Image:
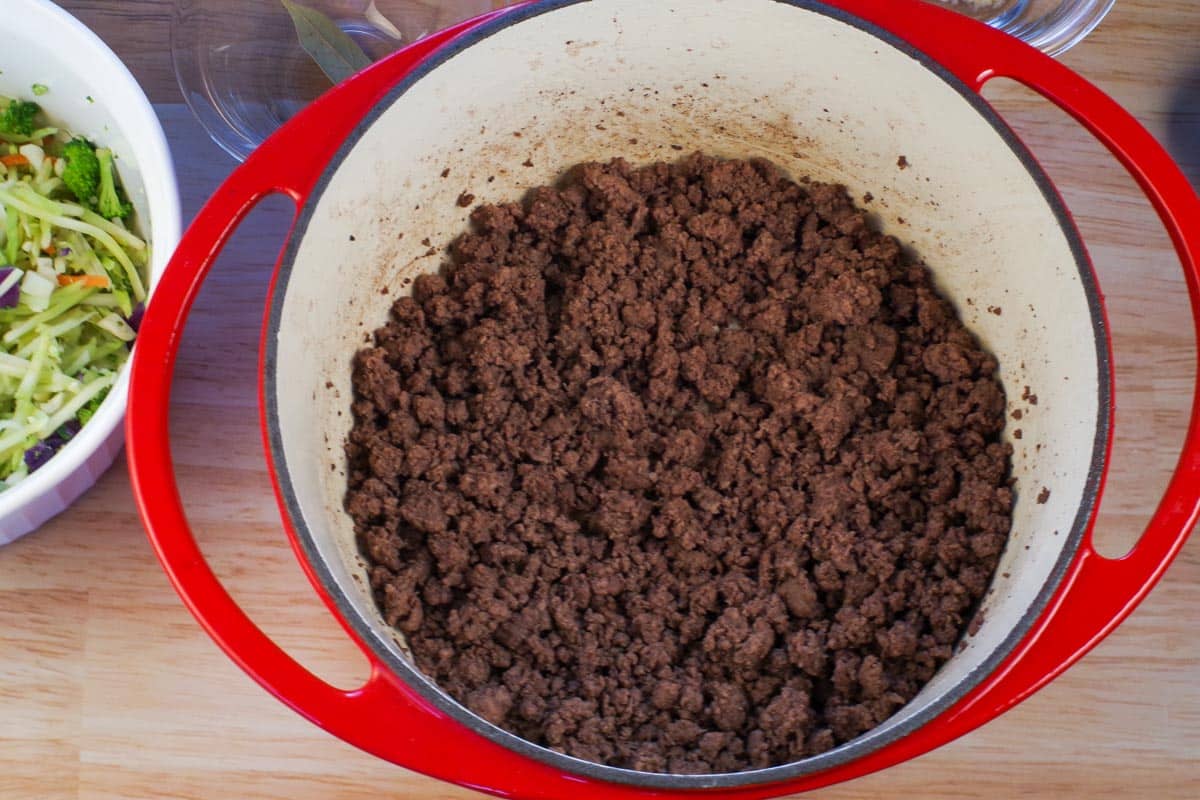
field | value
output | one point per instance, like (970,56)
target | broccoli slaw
(71,285)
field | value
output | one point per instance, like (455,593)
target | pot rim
(338,596)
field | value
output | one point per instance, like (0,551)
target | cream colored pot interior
(813,93)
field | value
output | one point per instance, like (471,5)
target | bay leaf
(330,47)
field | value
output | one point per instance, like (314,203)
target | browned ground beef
(680,468)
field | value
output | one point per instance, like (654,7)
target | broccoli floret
(91,176)
(18,117)
(91,407)
(110,204)
(82,173)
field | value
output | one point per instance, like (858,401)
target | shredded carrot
(50,251)
(99,281)
(14,160)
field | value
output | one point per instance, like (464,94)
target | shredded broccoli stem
(13,367)
(36,136)
(36,365)
(56,213)
(68,411)
(70,320)
(64,299)
(101,301)
(114,230)
(12,234)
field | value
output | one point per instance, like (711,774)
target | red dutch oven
(837,91)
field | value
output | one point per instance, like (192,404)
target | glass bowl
(243,73)
(1053,26)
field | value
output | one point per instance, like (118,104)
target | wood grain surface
(109,689)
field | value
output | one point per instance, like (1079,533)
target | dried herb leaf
(382,23)
(335,52)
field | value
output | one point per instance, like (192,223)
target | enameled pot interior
(818,93)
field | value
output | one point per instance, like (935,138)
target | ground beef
(682,468)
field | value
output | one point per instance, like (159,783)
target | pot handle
(384,716)
(1097,593)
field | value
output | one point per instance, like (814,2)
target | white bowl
(91,93)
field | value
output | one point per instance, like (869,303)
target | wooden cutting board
(109,689)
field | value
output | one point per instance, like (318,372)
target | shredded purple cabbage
(67,431)
(135,319)
(11,297)
(40,453)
